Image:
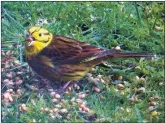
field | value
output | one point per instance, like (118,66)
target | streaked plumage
(59,58)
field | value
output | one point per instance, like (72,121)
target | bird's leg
(44,82)
(66,85)
(63,89)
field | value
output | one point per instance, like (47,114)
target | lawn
(130,90)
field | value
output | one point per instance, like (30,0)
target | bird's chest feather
(66,72)
(42,65)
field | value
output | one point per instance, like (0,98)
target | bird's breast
(56,72)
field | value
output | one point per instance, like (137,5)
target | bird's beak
(30,39)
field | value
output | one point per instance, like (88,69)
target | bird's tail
(117,53)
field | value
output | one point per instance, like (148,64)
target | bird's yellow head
(36,35)
(37,38)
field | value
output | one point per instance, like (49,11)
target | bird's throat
(35,48)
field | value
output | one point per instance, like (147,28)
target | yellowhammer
(59,58)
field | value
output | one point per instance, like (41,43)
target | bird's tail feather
(110,54)
(116,53)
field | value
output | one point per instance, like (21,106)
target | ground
(130,91)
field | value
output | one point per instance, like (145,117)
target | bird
(62,59)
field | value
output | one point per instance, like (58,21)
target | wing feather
(64,50)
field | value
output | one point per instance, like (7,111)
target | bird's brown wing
(63,50)
(66,59)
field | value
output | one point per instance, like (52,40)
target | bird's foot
(61,90)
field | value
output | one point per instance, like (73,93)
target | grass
(134,26)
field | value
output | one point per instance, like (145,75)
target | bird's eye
(40,34)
